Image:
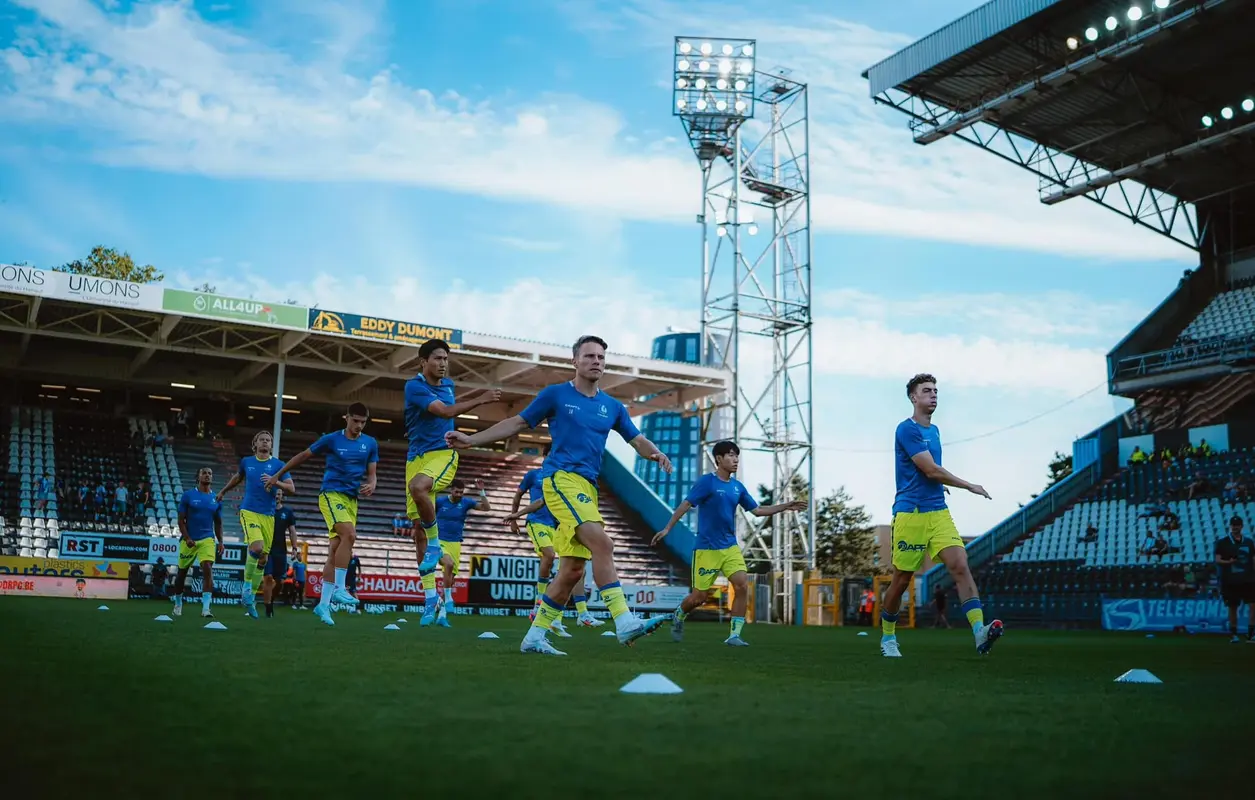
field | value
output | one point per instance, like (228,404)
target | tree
(1060,467)
(845,540)
(106,262)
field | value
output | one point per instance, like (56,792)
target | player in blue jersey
(257,512)
(716,496)
(580,416)
(431,465)
(285,541)
(922,522)
(451,514)
(200,526)
(351,460)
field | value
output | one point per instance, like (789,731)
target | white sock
(178,600)
(205,599)
(324,599)
(340,575)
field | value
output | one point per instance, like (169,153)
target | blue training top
(200,510)
(346,461)
(915,490)
(578,427)
(426,430)
(451,516)
(257,498)
(716,502)
(535,488)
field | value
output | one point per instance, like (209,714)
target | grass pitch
(114,699)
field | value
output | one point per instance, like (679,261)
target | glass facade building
(677,435)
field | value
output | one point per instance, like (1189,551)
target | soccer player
(580,416)
(431,465)
(277,562)
(351,458)
(1235,554)
(257,512)
(922,522)
(716,496)
(200,524)
(451,514)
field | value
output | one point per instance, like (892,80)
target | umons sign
(105,292)
(26,280)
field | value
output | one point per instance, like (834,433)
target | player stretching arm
(580,416)
(200,523)
(716,495)
(351,458)
(257,512)
(922,522)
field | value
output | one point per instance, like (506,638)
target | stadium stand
(98,456)
(33,506)
(165,484)
(1229,315)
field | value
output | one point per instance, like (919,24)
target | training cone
(489,635)
(102,608)
(1138,676)
(651,683)
(608,633)
(163,618)
(215,626)
(403,619)
(392,627)
(862,633)
(1150,636)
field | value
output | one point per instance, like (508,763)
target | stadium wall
(636,495)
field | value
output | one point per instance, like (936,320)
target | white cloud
(163,89)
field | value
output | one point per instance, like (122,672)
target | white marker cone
(1138,676)
(102,608)
(215,626)
(489,635)
(651,683)
(163,618)
(392,627)
(862,633)
(403,619)
(609,633)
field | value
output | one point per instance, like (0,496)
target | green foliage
(106,262)
(845,540)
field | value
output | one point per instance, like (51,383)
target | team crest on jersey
(602,411)
(583,498)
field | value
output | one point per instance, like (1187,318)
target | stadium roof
(151,349)
(1127,106)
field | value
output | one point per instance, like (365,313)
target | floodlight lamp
(681,103)
(721,231)
(1208,121)
(745,67)
(1162,4)
(706,48)
(681,84)
(1226,112)
(684,65)
(703,65)
(753,230)
(727,49)
(1091,34)
(1111,23)
(741,105)
(701,105)
(701,83)
(1073,42)
(721,84)
(725,66)
(740,85)
(685,47)
(1248,105)
(747,50)
(1135,13)
(721,105)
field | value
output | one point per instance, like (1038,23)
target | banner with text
(136,549)
(12,565)
(1195,614)
(390,588)
(217,306)
(57,586)
(511,581)
(341,323)
(79,288)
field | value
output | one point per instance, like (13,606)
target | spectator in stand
(1186,455)
(1198,485)
(99,500)
(1166,458)
(400,524)
(42,491)
(298,579)
(161,574)
(1137,458)
(84,495)
(1204,449)
(1154,510)
(1230,494)
(143,499)
(1157,545)
(1090,536)
(119,500)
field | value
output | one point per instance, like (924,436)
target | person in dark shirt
(277,559)
(350,580)
(1235,554)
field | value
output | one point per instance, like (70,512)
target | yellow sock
(541,586)
(581,604)
(250,574)
(547,614)
(612,596)
(975,614)
(429,582)
(888,623)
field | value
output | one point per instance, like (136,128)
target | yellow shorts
(200,552)
(918,532)
(439,465)
(257,528)
(573,501)
(454,551)
(541,536)
(707,564)
(337,508)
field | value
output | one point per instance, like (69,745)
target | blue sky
(514,168)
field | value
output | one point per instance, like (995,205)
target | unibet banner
(217,306)
(341,323)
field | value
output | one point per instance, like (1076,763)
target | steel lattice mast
(756,285)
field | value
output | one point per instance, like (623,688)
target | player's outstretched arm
(683,508)
(294,462)
(650,452)
(936,472)
(235,481)
(288,485)
(520,513)
(481,397)
(502,430)
(482,503)
(778,508)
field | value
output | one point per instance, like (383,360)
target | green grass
(115,699)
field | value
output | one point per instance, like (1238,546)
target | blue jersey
(347,460)
(425,430)
(257,498)
(916,491)
(200,510)
(535,488)
(451,517)
(284,519)
(716,501)
(578,426)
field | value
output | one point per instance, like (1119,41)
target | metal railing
(1217,350)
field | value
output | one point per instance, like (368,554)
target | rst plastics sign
(1138,614)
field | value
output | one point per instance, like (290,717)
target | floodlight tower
(756,277)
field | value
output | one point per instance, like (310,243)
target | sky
(515,169)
